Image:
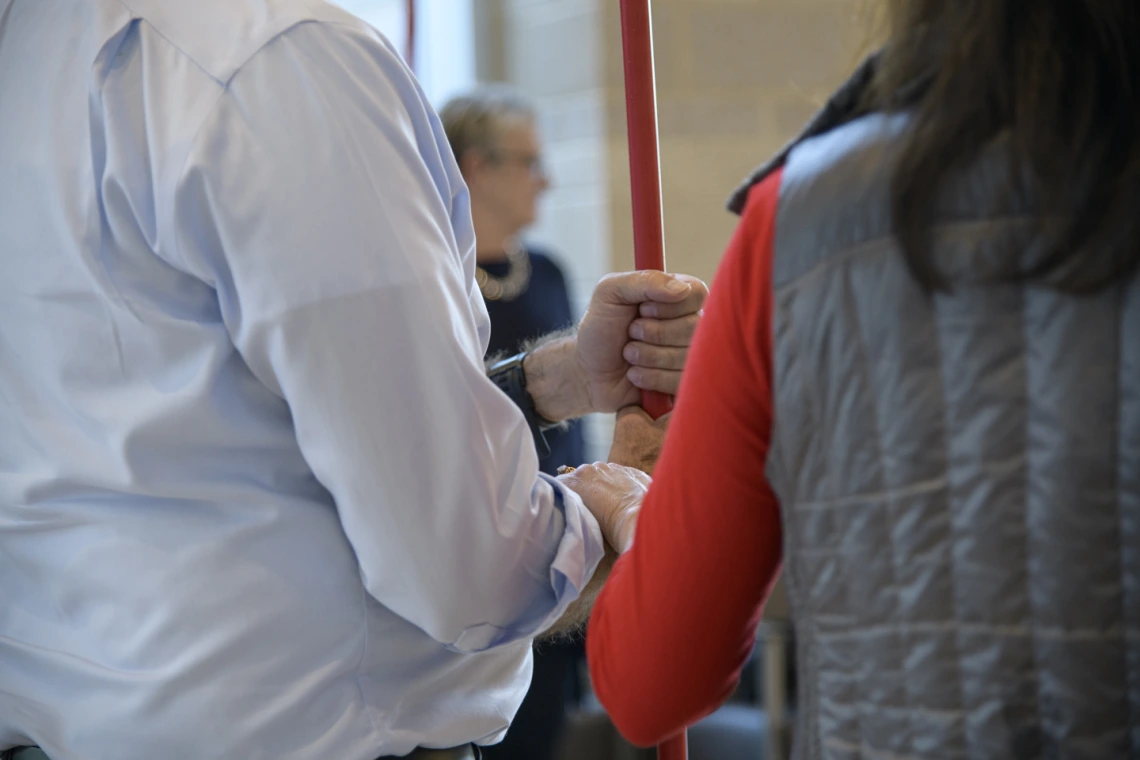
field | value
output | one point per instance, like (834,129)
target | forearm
(674,625)
(578,613)
(553,379)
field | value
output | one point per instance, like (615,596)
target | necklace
(511,285)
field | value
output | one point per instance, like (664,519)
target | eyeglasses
(529,161)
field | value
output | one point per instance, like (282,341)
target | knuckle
(654,331)
(650,356)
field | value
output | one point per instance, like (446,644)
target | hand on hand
(613,493)
(636,334)
(638,439)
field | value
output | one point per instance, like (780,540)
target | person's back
(121,393)
(173,577)
(959,477)
(956,446)
(936,294)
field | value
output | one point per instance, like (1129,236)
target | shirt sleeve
(321,201)
(677,619)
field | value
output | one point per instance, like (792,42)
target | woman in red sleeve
(917,387)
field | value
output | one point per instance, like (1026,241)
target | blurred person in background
(917,386)
(494,136)
(493,133)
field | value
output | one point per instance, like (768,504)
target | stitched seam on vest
(925,486)
(863,751)
(1116,632)
(1132,638)
(809,738)
(1117,499)
(1027,447)
(1131,307)
(885,243)
(951,566)
(886,514)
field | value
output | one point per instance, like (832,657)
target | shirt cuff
(576,558)
(572,567)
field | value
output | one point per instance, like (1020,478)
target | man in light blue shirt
(258,498)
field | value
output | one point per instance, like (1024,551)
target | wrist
(510,376)
(555,381)
(623,527)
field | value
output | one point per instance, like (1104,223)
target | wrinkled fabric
(257,497)
(959,476)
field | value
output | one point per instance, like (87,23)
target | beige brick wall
(553,51)
(735,80)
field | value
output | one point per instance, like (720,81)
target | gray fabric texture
(959,476)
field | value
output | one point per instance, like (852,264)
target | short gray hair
(472,121)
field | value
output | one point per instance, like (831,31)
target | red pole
(645,184)
(410,41)
(644,162)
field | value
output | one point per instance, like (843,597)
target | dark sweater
(544,307)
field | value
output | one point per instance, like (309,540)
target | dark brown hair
(1058,82)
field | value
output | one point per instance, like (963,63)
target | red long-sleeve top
(677,619)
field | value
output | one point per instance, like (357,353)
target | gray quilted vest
(959,476)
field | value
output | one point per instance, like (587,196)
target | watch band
(508,374)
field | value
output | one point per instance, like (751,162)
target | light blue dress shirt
(257,497)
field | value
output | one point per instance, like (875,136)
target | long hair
(1057,83)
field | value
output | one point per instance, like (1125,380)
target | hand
(638,439)
(613,494)
(635,335)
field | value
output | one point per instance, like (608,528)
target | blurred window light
(444,45)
